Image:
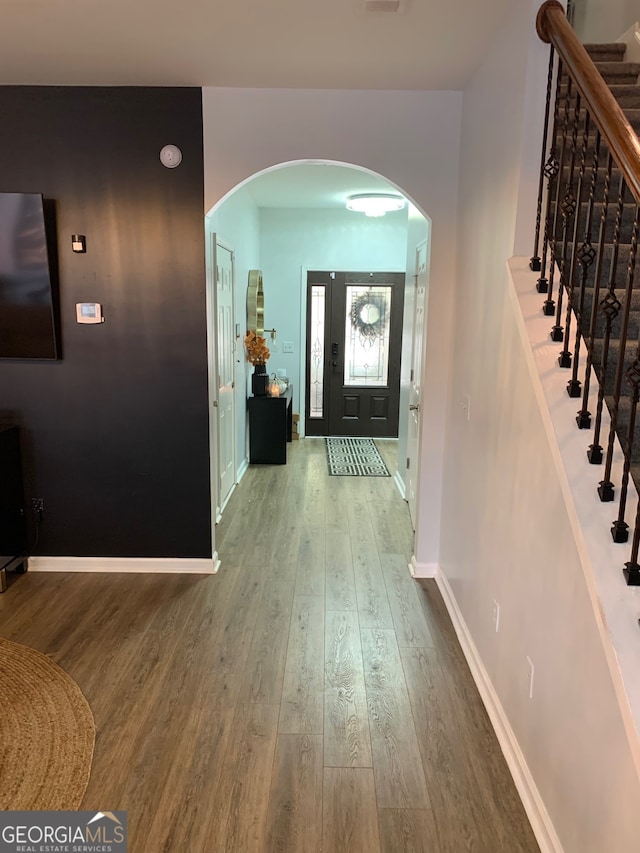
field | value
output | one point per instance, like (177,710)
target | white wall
(297,240)
(505,533)
(237,223)
(411,138)
(604,20)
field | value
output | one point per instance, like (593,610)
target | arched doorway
(287,220)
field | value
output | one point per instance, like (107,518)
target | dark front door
(354,342)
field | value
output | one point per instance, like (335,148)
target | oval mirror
(255,303)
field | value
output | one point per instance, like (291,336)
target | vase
(260,381)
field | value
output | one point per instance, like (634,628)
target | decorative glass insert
(316,351)
(366,339)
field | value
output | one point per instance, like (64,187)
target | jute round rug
(47,733)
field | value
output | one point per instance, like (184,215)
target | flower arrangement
(257,349)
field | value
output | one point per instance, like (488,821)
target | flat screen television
(28,295)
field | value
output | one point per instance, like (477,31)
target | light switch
(287,346)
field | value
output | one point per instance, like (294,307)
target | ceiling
(313,185)
(334,44)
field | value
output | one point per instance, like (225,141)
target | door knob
(414,407)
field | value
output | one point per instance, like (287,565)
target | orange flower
(257,349)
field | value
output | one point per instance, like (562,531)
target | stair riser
(627,95)
(619,72)
(588,300)
(632,115)
(572,176)
(621,271)
(598,194)
(615,74)
(625,230)
(634,323)
(612,364)
(608,52)
(611,72)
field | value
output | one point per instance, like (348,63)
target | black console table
(270,420)
(13,536)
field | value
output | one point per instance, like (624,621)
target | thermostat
(89,312)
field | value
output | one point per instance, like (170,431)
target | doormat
(354,457)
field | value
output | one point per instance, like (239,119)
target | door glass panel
(366,338)
(316,361)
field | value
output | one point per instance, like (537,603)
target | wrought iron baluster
(585,254)
(620,530)
(583,418)
(568,209)
(549,305)
(551,170)
(611,307)
(535,263)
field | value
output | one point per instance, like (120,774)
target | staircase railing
(571,9)
(588,217)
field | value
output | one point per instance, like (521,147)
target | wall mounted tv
(28,281)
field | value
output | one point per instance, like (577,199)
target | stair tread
(624,88)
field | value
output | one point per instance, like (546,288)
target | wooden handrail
(554,28)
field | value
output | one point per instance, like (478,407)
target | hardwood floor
(311,697)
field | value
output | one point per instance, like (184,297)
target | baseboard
(220,509)
(541,823)
(397,479)
(242,470)
(129,565)
(423,570)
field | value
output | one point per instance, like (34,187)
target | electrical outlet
(287,346)
(496,615)
(37,508)
(531,671)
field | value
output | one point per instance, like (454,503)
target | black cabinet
(13,536)
(270,420)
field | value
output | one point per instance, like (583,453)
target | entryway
(290,220)
(354,341)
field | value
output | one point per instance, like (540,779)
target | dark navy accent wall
(115,434)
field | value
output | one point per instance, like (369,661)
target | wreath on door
(369,316)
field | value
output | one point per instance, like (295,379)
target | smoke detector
(382,5)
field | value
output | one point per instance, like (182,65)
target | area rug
(354,457)
(47,733)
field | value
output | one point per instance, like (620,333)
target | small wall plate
(170,156)
(89,312)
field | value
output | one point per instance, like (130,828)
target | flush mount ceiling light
(375,204)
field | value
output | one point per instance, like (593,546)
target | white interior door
(415,383)
(225,367)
